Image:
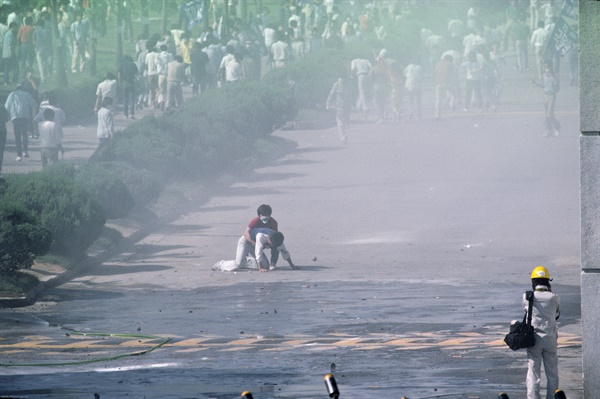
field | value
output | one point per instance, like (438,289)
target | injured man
(253,257)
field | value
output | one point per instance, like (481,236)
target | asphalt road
(416,241)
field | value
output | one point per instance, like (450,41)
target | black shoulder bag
(522,334)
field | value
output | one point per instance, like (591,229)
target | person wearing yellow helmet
(545,312)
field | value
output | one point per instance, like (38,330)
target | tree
(164,17)
(59,48)
(95,13)
(119,48)
(243,10)
(145,19)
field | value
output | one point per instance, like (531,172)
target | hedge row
(206,135)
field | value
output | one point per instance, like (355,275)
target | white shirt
(546,306)
(59,116)
(414,77)
(538,38)
(107,88)
(151,63)
(280,51)
(50,137)
(262,243)
(269,35)
(360,66)
(162,60)
(233,70)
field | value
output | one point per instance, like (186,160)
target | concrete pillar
(589,99)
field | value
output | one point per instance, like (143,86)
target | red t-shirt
(256,223)
(25,33)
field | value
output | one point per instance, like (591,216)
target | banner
(193,10)
(564,36)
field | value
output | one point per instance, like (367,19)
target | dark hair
(264,210)
(276,239)
(540,281)
(49,114)
(110,76)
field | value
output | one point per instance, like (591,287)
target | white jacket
(546,309)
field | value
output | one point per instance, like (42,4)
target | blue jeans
(20,126)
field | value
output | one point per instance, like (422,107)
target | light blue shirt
(20,104)
(10,41)
(79,31)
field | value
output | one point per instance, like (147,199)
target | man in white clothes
(50,138)
(538,41)
(106,88)
(106,127)
(361,67)
(264,238)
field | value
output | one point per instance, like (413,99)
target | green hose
(102,359)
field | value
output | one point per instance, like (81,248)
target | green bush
(106,188)
(15,284)
(72,216)
(143,145)
(78,100)
(143,185)
(310,78)
(210,133)
(21,238)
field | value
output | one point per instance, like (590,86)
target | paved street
(416,241)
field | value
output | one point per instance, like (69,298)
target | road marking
(88,346)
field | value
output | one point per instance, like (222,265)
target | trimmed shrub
(15,284)
(143,185)
(207,135)
(78,100)
(106,188)
(72,216)
(144,145)
(21,238)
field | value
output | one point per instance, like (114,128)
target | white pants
(242,261)
(544,350)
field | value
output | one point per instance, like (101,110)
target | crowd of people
(465,59)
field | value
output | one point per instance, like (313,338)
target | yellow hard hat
(540,272)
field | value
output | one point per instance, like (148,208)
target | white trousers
(544,350)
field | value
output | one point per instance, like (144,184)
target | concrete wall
(589,65)
(589,98)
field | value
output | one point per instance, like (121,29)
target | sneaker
(272,267)
(26,155)
(217,266)
(18,159)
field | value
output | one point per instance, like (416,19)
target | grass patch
(16,284)
(56,260)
